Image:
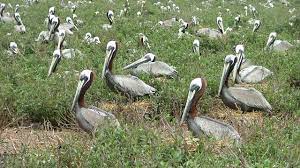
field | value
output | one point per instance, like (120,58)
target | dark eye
(194,87)
(85,78)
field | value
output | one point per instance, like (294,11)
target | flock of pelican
(89,118)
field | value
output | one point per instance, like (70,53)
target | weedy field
(37,128)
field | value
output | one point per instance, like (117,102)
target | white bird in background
(110,17)
(144,41)
(20,27)
(13,49)
(68,27)
(5,17)
(257,24)
(277,45)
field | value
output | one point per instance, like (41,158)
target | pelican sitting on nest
(90,118)
(20,26)
(129,85)
(204,125)
(13,49)
(277,45)
(239,97)
(196,46)
(212,33)
(250,73)
(6,18)
(68,27)
(149,65)
(110,17)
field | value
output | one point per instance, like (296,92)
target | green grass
(27,91)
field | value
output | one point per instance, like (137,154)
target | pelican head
(196,46)
(96,40)
(54,24)
(13,47)
(87,36)
(2,7)
(73,8)
(61,38)
(272,38)
(110,16)
(51,10)
(86,78)
(220,24)
(70,21)
(17,8)
(18,19)
(196,90)
(239,51)
(229,63)
(111,50)
(257,24)
(55,61)
(149,57)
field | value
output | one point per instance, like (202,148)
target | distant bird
(90,118)
(257,24)
(143,40)
(88,38)
(20,26)
(68,27)
(277,45)
(168,23)
(6,18)
(196,46)
(131,86)
(237,21)
(55,61)
(248,73)
(149,65)
(239,97)
(212,33)
(96,40)
(13,49)
(204,126)
(66,53)
(110,17)
(51,13)
(77,21)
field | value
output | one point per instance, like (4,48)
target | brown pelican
(110,17)
(89,118)
(196,46)
(149,65)
(55,61)
(239,97)
(277,45)
(204,125)
(20,26)
(6,18)
(66,53)
(13,49)
(144,40)
(212,33)
(257,24)
(68,27)
(51,13)
(129,85)
(245,72)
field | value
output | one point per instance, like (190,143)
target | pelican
(68,27)
(239,97)
(90,118)
(168,23)
(55,61)
(96,40)
(237,20)
(51,13)
(144,40)
(204,125)
(129,85)
(6,18)
(110,17)
(66,53)
(54,24)
(149,65)
(257,24)
(277,45)
(196,46)
(88,38)
(212,33)
(78,22)
(20,26)
(13,49)
(248,73)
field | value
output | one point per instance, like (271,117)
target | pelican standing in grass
(204,126)
(90,118)
(257,24)
(13,49)
(20,26)
(239,97)
(196,46)
(149,65)
(110,17)
(248,73)
(212,33)
(129,85)
(277,45)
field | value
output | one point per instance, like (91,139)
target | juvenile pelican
(204,125)
(248,73)
(277,45)
(20,26)
(6,18)
(196,46)
(144,40)
(110,17)
(13,49)
(237,20)
(239,97)
(88,38)
(129,85)
(257,24)
(149,65)
(90,118)
(212,33)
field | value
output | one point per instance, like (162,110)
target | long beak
(77,93)
(254,28)
(60,41)
(269,43)
(225,69)
(237,66)
(16,50)
(136,63)
(188,106)
(221,27)
(107,60)
(54,63)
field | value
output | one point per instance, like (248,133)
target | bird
(13,49)
(257,24)
(88,38)
(143,40)
(244,72)
(277,45)
(196,46)
(55,61)
(204,126)
(168,23)
(20,26)
(246,99)
(66,53)
(237,21)
(6,18)
(68,27)
(148,65)
(90,118)
(212,33)
(77,21)
(110,17)
(130,86)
